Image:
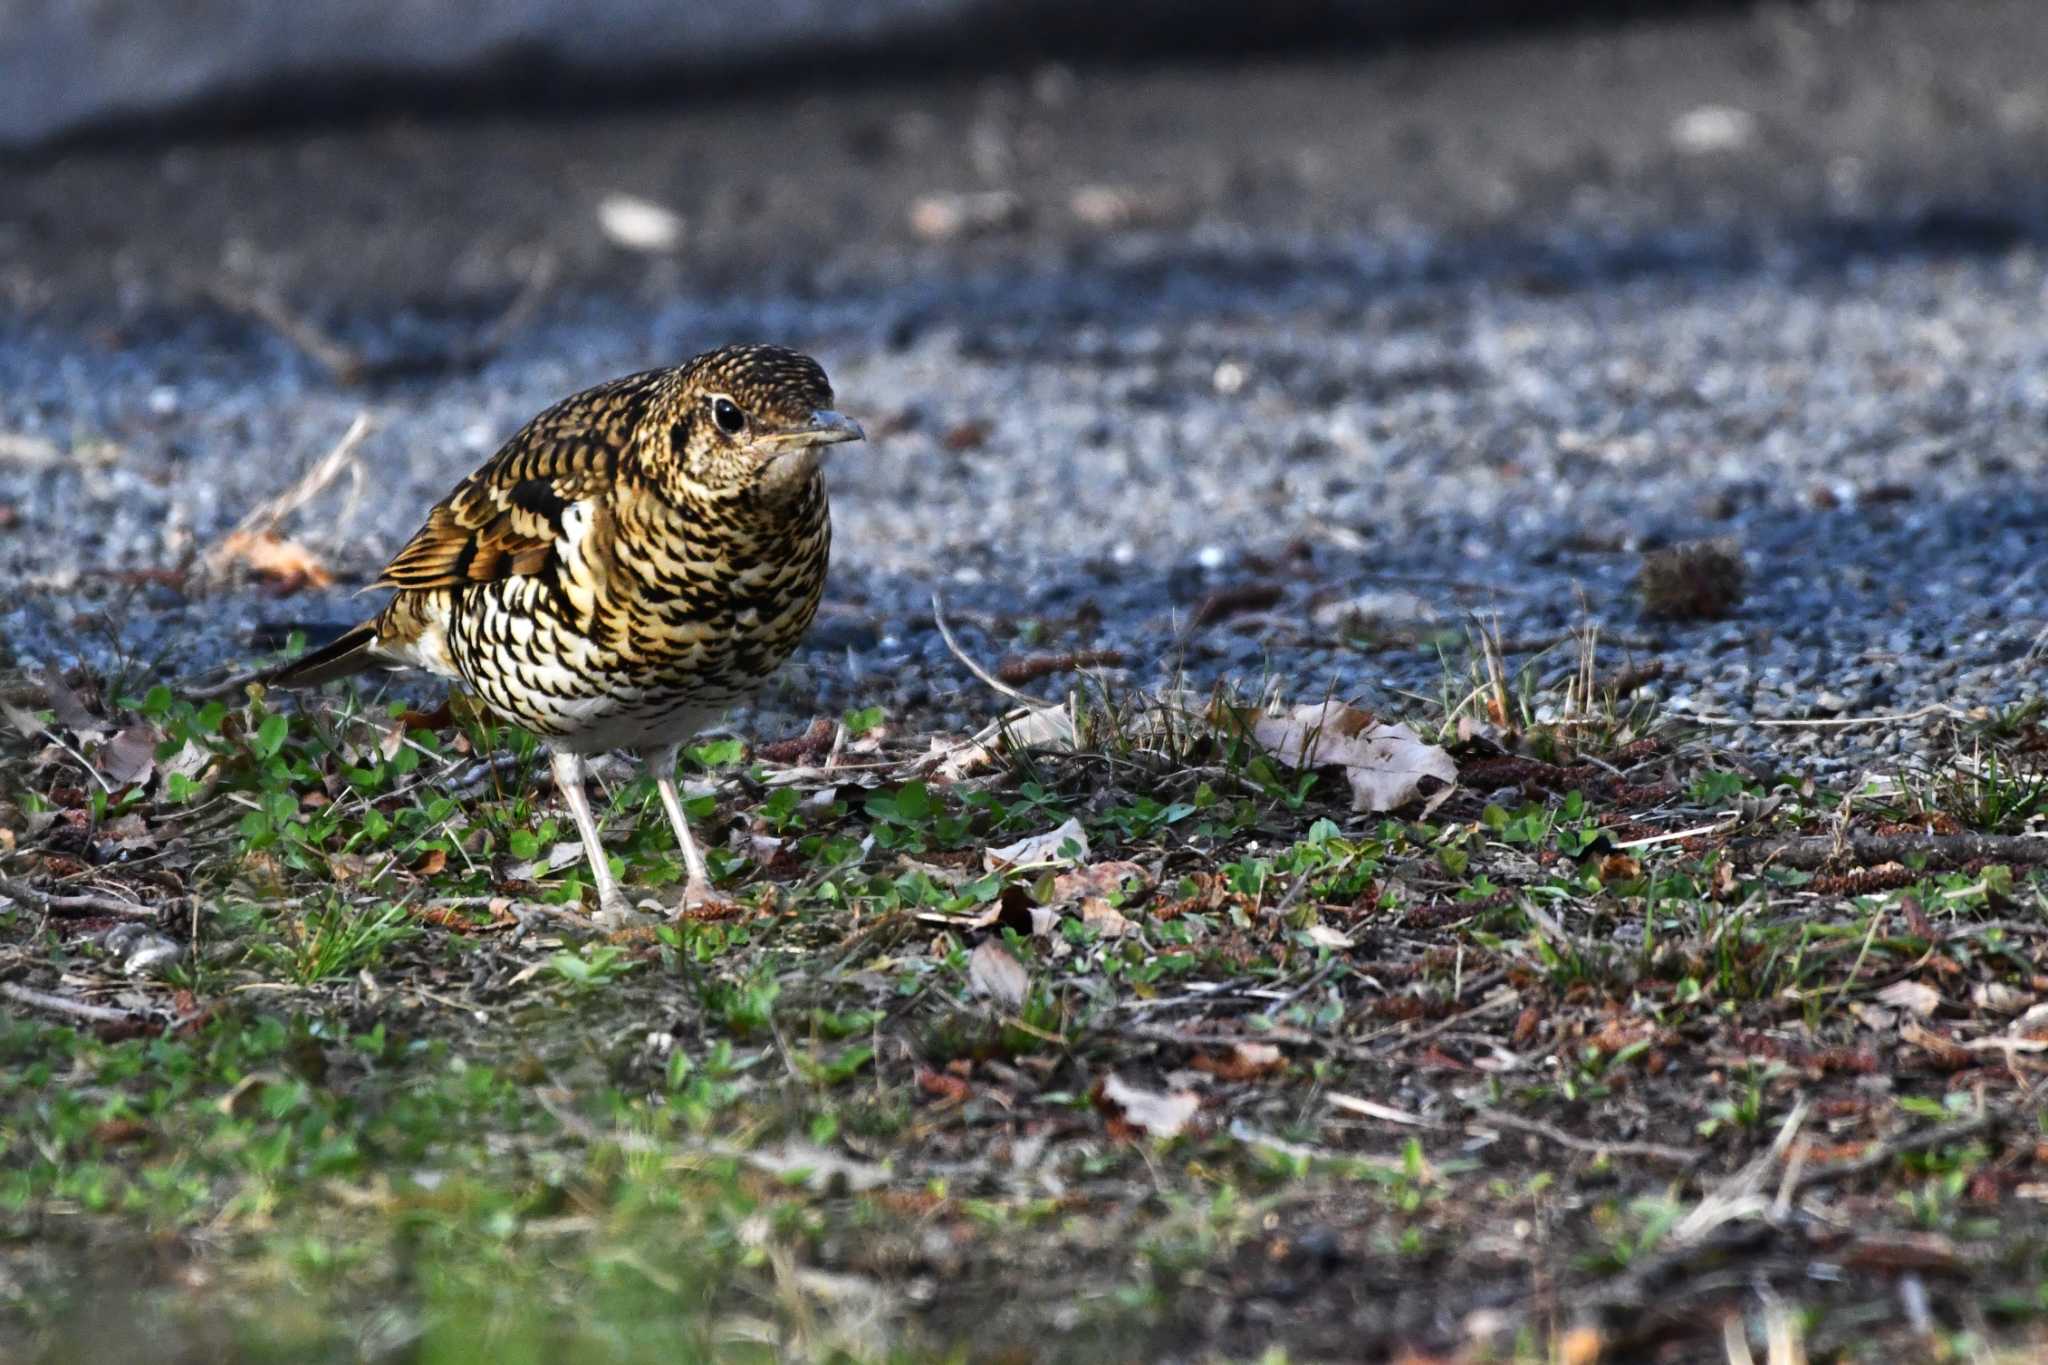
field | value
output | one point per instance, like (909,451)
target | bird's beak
(826,428)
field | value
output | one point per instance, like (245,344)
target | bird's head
(744,419)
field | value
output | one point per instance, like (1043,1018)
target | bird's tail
(352,652)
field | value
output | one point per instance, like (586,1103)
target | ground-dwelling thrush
(634,560)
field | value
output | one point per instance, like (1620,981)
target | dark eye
(730,419)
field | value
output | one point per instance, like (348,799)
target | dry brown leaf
(942,1086)
(1104,918)
(1067,844)
(1161,1116)
(1580,1346)
(998,975)
(286,566)
(1097,879)
(1323,936)
(1387,766)
(1244,1062)
(130,756)
(1999,998)
(1911,996)
(1035,727)
(1619,867)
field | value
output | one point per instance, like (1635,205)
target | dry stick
(1884,1153)
(346,365)
(266,516)
(1818,850)
(343,363)
(64,1004)
(946,634)
(75,903)
(1831,722)
(1653,1151)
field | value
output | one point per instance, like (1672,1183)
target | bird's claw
(614,915)
(702,900)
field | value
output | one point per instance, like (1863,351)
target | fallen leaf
(1067,844)
(1034,727)
(941,1086)
(25,722)
(1162,1116)
(1912,997)
(114,1132)
(1016,911)
(1619,867)
(1244,1062)
(1323,936)
(1104,918)
(1998,997)
(1386,765)
(1579,1346)
(1097,879)
(70,708)
(130,756)
(285,566)
(998,975)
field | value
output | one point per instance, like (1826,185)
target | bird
(630,563)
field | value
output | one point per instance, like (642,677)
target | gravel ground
(1456,330)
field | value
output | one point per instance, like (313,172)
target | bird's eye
(730,419)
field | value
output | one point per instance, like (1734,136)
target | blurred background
(1258,341)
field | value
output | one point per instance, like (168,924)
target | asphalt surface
(1456,330)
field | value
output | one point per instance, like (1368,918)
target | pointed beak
(826,428)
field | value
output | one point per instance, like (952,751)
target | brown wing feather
(505,520)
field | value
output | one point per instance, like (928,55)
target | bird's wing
(507,519)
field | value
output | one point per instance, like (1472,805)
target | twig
(946,634)
(1500,1000)
(64,1004)
(343,363)
(1830,722)
(1819,850)
(1652,1151)
(348,366)
(1884,1153)
(75,903)
(266,516)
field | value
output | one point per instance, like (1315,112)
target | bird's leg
(662,763)
(568,770)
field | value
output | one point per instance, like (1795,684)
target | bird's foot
(702,900)
(614,915)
